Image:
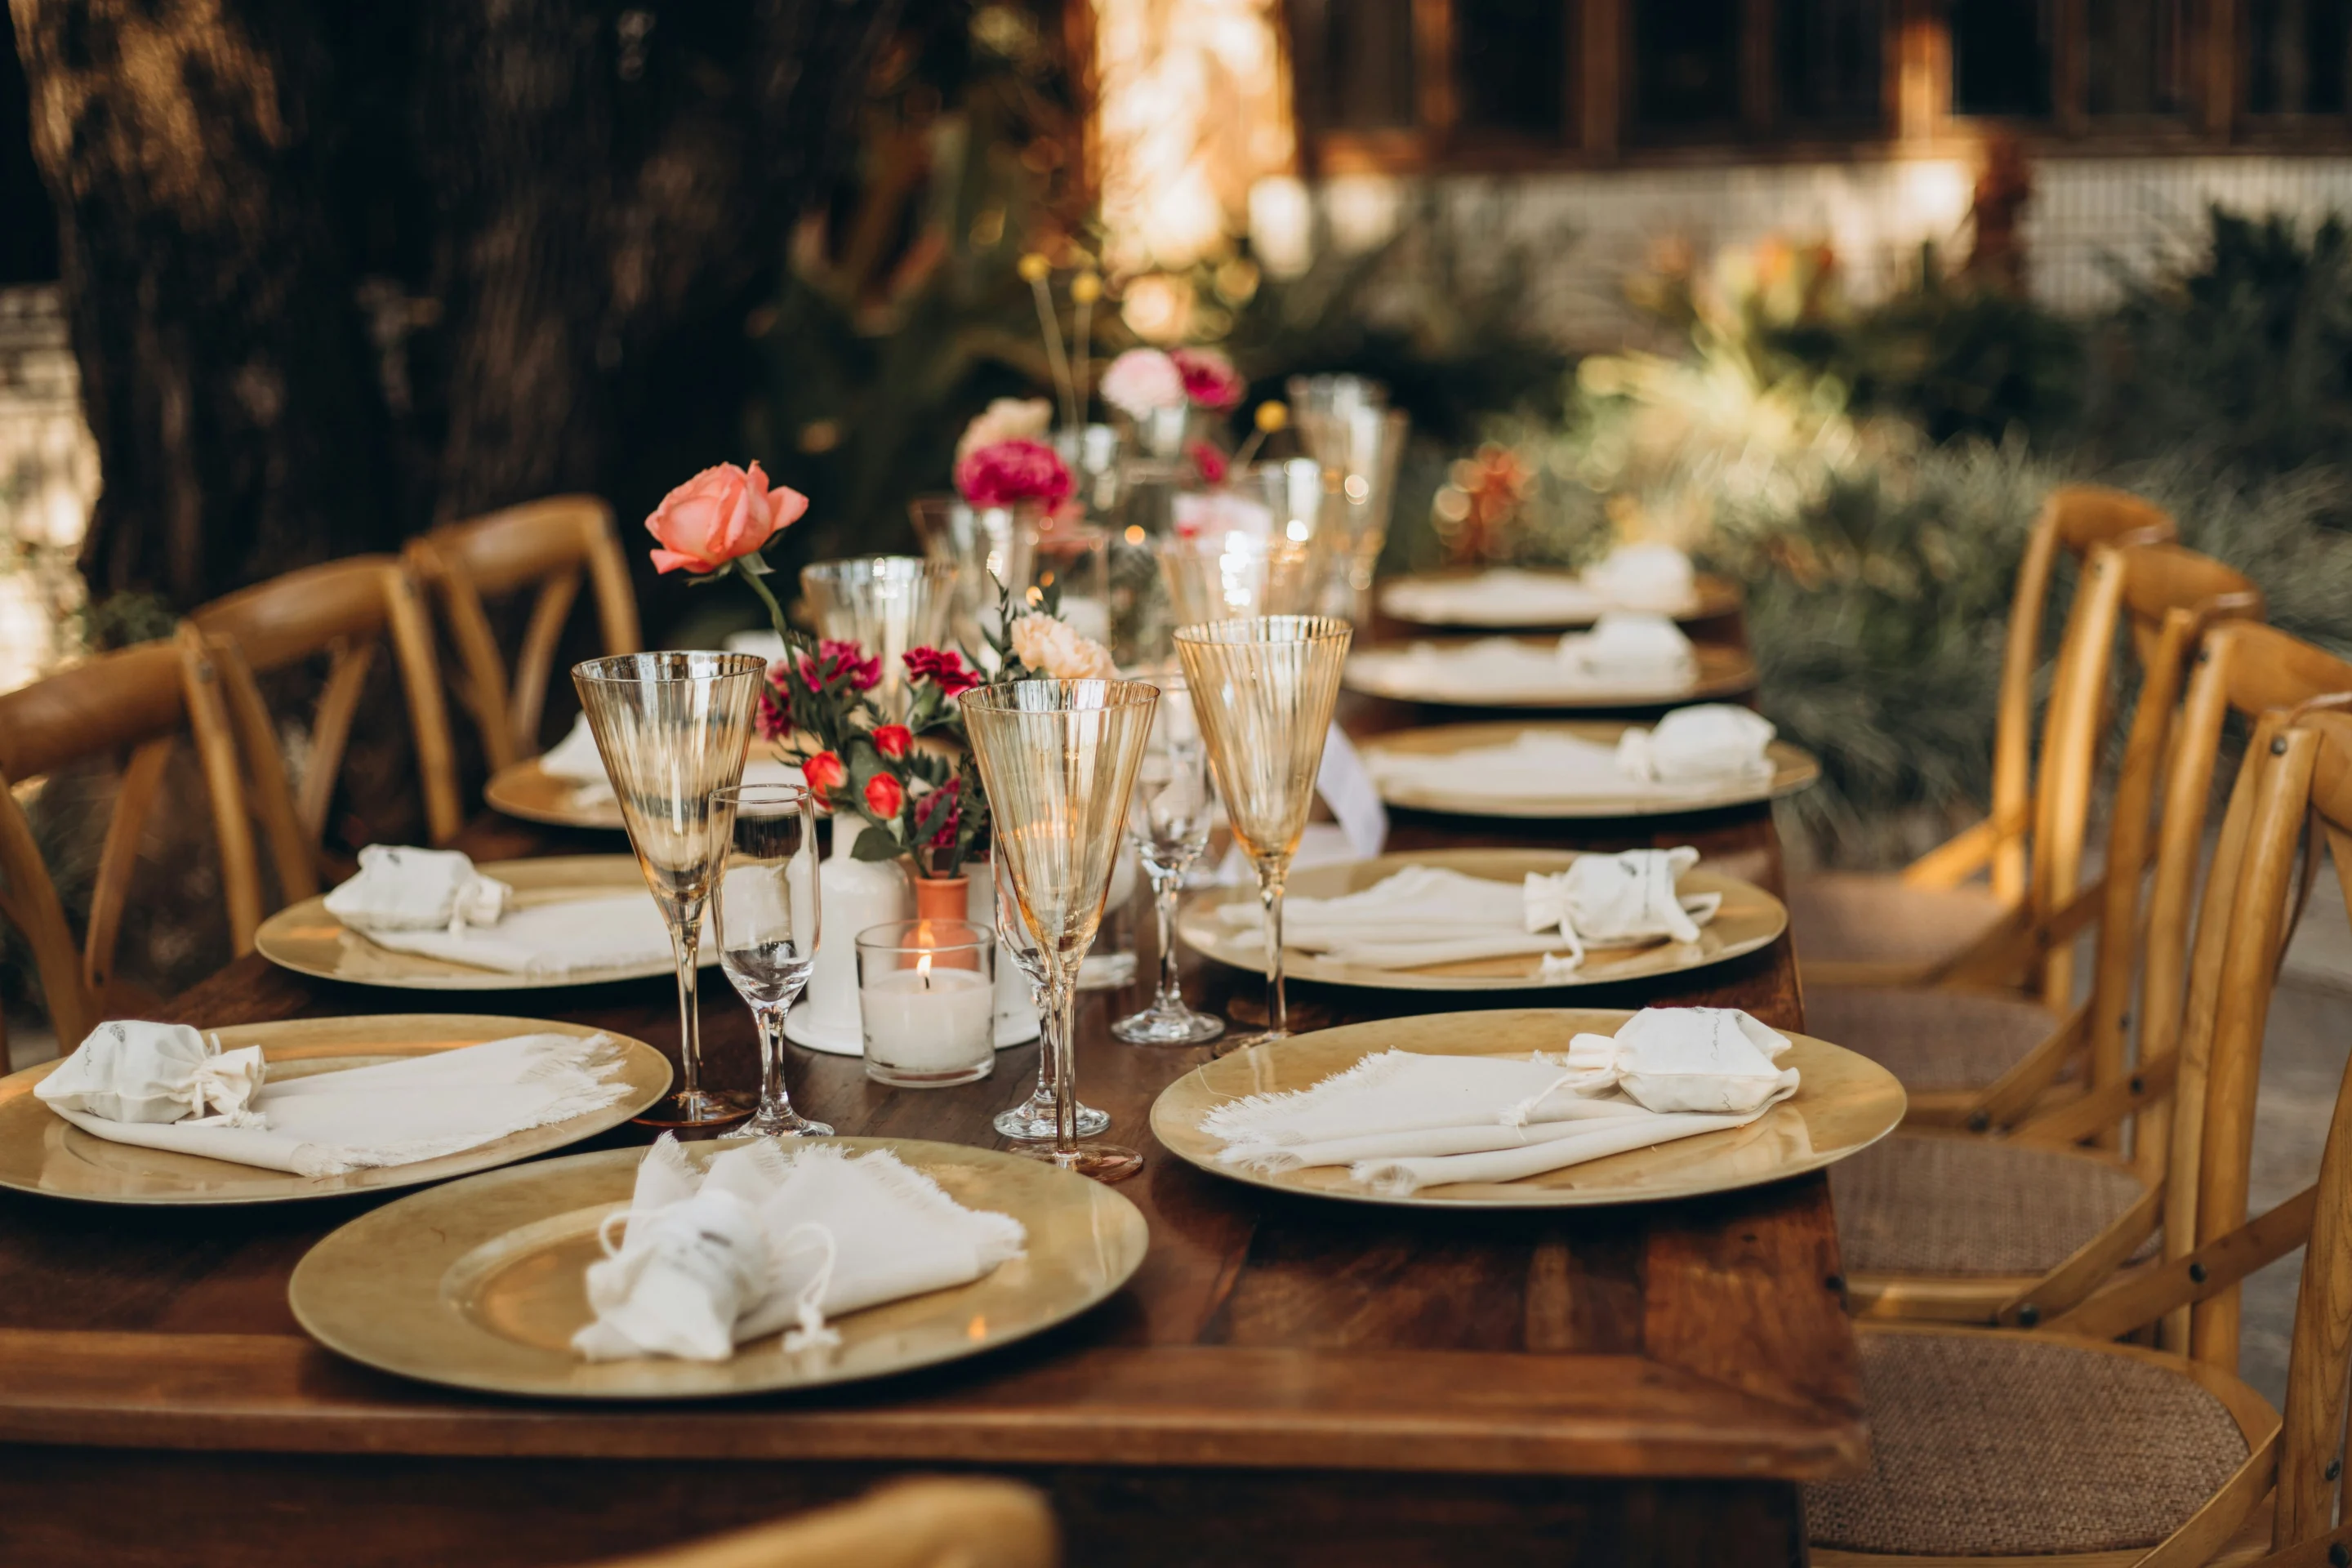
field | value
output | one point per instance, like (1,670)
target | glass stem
(1040,999)
(775,1100)
(1061,1000)
(686,947)
(1270,877)
(1167,887)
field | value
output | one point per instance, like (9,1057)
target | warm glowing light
(1135,535)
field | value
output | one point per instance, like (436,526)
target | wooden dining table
(1286,1380)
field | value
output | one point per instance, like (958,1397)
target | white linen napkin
(131,1070)
(1401,1121)
(322,1124)
(1706,744)
(1633,647)
(401,888)
(1502,596)
(766,1238)
(1616,900)
(576,760)
(550,941)
(1538,764)
(1648,576)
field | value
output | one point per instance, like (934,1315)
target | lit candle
(931,1023)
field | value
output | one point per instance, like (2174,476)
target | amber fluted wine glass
(673,729)
(1262,691)
(1058,759)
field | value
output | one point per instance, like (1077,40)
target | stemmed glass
(1059,760)
(1168,821)
(673,729)
(1264,690)
(764,915)
(886,604)
(1037,1116)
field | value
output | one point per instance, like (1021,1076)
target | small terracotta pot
(941,897)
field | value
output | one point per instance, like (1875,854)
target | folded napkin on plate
(324,1123)
(1426,915)
(1632,647)
(1708,744)
(1401,1121)
(766,1239)
(401,889)
(1502,668)
(392,903)
(1501,597)
(576,760)
(1644,577)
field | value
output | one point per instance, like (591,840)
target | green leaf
(877,843)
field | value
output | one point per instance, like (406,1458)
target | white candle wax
(940,1022)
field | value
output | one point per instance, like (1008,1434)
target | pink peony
(720,514)
(1141,382)
(1011,471)
(1209,379)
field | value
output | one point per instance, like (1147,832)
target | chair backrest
(913,1524)
(138,700)
(553,544)
(2076,519)
(341,609)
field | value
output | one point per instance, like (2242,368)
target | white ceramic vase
(854,894)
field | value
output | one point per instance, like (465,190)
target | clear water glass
(764,916)
(1169,823)
(1036,1117)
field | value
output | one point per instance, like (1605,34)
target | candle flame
(923,968)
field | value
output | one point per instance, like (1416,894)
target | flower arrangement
(1143,382)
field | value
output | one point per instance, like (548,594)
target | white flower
(1048,646)
(1005,419)
(1143,381)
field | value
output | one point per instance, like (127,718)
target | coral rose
(885,795)
(894,741)
(824,774)
(1048,646)
(720,514)
(1011,471)
(1142,382)
(1209,379)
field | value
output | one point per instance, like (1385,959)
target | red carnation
(774,719)
(1209,379)
(894,741)
(824,774)
(885,795)
(945,837)
(836,660)
(1209,461)
(943,667)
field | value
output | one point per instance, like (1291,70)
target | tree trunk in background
(225,370)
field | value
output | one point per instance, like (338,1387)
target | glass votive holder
(927,997)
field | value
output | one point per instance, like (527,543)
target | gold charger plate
(530,791)
(40,1152)
(1723,672)
(481,1284)
(1710,596)
(1793,768)
(306,940)
(1844,1103)
(1750,917)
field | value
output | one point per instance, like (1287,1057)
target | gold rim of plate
(40,1152)
(1710,596)
(1845,1102)
(1723,672)
(1750,919)
(306,940)
(480,1284)
(1793,769)
(529,790)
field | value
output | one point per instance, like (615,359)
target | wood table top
(1699,1339)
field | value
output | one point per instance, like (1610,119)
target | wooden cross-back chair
(135,702)
(1978,1060)
(556,545)
(2018,1229)
(913,1524)
(2065,1447)
(1970,899)
(341,610)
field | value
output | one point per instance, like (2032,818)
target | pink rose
(1209,379)
(1011,471)
(1142,382)
(718,515)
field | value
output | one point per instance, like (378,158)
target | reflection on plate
(1793,768)
(1844,1103)
(1396,673)
(306,940)
(1750,919)
(480,1284)
(40,1152)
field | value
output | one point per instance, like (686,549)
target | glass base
(1104,1163)
(788,1123)
(1034,1119)
(701,1108)
(929,1078)
(1172,1025)
(1226,1047)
